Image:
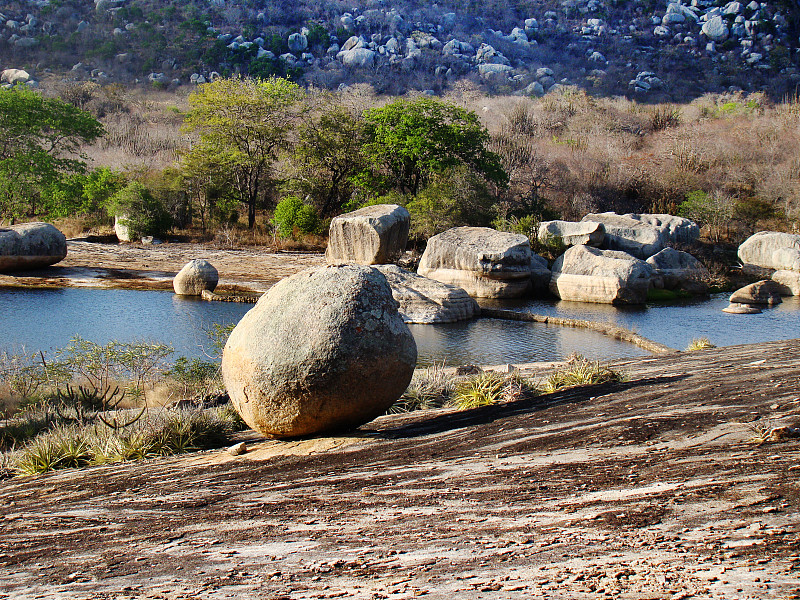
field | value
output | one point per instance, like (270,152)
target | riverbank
(653,488)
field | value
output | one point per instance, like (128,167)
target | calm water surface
(47,319)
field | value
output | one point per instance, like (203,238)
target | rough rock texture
(760,292)
(123,231)
(789,282)
(587,274)
(485,262)
(14,76)
(424,300)
(770,250)
(574,234)
(197,275)
(322,350)
(673,269)
(741,309)
(643,235)
(30,246)
(373,235)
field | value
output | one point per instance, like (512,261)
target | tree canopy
(40,141)
(411,140)
(242,126)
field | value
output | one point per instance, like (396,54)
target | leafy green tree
(82,193)
(327,158)
(40,141)
(291,213)
(714,210)
(410,140)
(243,125)
(138,210)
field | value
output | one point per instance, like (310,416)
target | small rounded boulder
(324,350)
(197,275)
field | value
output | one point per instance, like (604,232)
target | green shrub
(580,371)
(291,213)
(138,210)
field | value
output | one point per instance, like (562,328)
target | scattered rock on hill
(322,350)
(373,235)
(197,275)
(30,246)
(424,300)
(485,262)
(587,274)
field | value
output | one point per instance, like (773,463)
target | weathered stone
(424,300)
(587,274)
(358,58)
(195,277)
(372,235)
(760,292)
(741,309)
(30,246)
(297,42)
(121,228)
(643,235)
(789,282)
(14,76)
(715,29)
(485,262)
(770,250)
(323,350)
(573,234)
(673,269)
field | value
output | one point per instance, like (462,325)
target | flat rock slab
(647,489)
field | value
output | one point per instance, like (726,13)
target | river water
(39,319)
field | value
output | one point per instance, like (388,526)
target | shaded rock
(573,234)
(643,235)
(673,269)
(587,274)
(769,250)
(789,282)
(30,246)
(372,235)
(741,309)
(760,292)
(323,350)
(485,262)
(424,300)
(540,275)
(297,42)
(195,277)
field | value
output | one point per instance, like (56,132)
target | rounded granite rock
(197,275)
(323,350)
(30,246)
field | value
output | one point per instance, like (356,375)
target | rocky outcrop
(485,262)
(195,277)
(322,350)
(673,269)
(373,235)
(789,282)
(771,250)
(760,292)
(643,235)
(587,274)
(573,234)
(30,246)
(424,300)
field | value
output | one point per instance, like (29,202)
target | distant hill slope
(652,50)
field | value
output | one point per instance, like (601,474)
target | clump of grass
(581,371)
(161,433)
(429,388)
(490,388)
(701,343)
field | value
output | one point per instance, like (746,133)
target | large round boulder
(196,275)
(30,246)
(373,235)
(322,350)
(587,274)
(424,300)
(771,250)
(484,262)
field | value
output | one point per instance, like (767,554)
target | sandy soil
(649,489)
(154,266)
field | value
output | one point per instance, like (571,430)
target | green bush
(138,210)
(291,213)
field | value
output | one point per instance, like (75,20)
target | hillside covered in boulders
(658,51)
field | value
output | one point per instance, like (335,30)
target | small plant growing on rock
(429,388)
(580,371)
(489,388)
(701,343)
